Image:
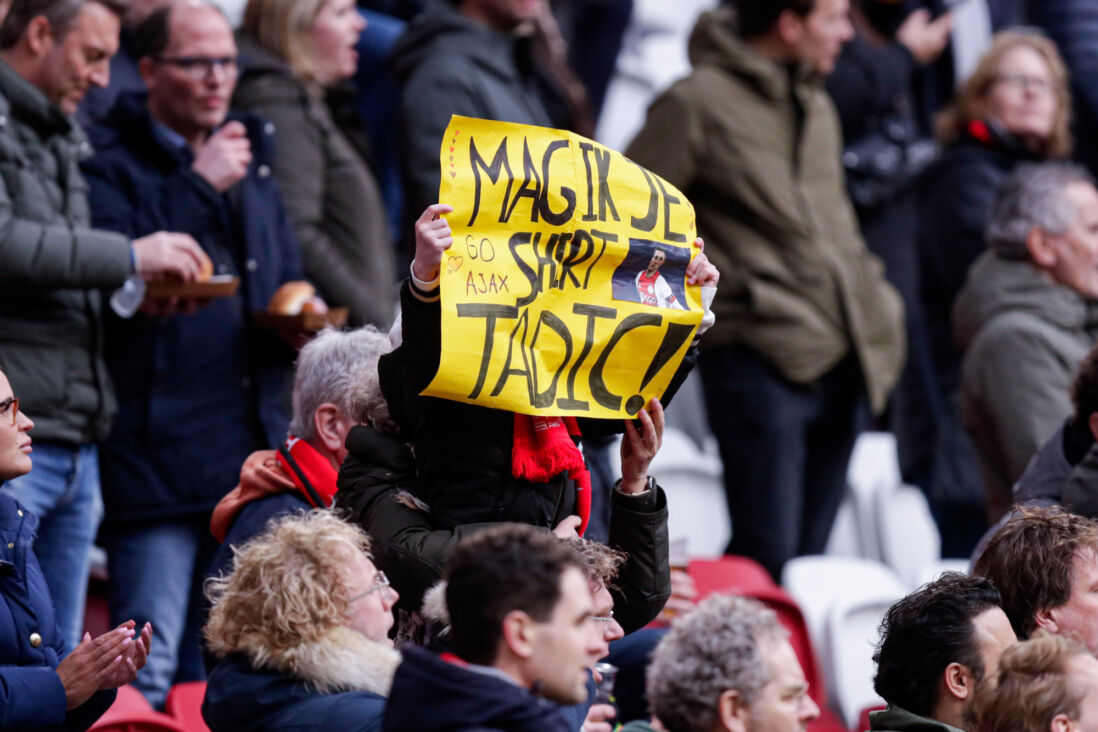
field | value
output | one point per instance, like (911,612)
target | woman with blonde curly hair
(301,628)
(1014,108)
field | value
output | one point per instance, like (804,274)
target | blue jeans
(156,574)
(62,490)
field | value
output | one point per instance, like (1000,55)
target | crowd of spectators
(898,227)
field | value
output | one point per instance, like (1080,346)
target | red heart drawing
(451,148)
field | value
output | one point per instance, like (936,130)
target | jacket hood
(261,476)
(434,604)
(442,30)
(1081,491)
(430,694)
(342,660)
(714,42)
(256,59)
(1045,474)
(996,286)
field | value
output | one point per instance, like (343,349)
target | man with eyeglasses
(200,386)
(53,269)
(523,634)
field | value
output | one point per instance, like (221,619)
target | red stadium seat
(185,705)
(132,713)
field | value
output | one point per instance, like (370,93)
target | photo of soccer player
(653,274)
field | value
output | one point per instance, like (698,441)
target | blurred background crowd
(897,197)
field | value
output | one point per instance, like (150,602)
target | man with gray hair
(335,388)
(1026,317)
(728,666)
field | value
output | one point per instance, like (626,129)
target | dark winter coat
(430,694)
(241,698)
(331,196)
(52,269)
(463,451)
(956,195)
(447,64)
(338,681)
(1063,472)
(197,393)
(32,698)
(378,475)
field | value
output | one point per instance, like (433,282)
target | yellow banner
(565,290)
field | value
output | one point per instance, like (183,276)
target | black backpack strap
(312,494)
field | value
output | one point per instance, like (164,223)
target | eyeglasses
(1021,82)
(604,619)
(200,68)
(13,404)
(380,583)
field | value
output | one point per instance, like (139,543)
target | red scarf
(544,447)
(310,471)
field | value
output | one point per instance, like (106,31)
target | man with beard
(938,646)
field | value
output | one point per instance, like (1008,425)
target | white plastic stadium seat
(820,583)
(934,570)
(852,632)
(909,537)
(874,468)
(695,494)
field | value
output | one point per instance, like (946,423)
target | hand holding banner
(565,291)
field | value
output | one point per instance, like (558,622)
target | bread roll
(206,269)
(290,298)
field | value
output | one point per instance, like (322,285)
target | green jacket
(756,148)
(52,268)
(897,719)
(1023,337)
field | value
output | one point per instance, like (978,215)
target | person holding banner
(808,329)
(477,464)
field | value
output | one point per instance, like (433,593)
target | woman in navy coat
(42,687)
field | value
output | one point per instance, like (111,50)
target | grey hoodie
(1023,337)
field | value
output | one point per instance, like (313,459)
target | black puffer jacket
(463,451)
(375,483)
(431,694)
